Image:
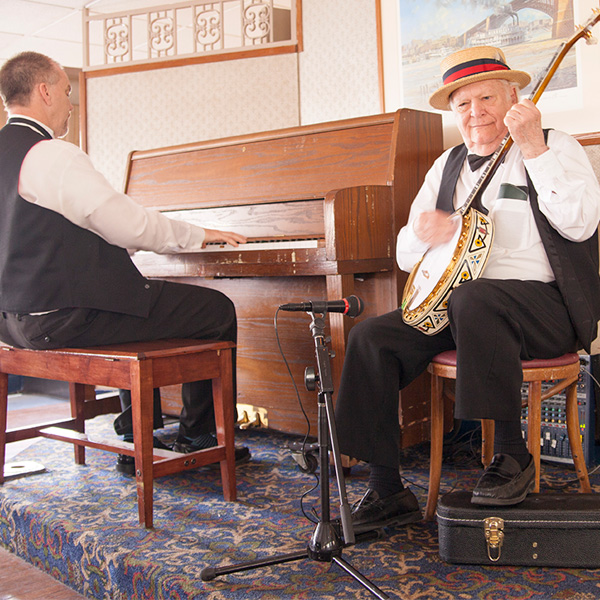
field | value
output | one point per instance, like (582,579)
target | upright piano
(321,206)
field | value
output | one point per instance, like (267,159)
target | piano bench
(139,367)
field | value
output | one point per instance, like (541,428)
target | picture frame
(416,36)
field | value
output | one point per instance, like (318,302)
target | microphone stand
(326,544)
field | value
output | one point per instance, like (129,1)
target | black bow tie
(475,161)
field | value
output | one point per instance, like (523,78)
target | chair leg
(534,427)
(3,418)
(437,445)
(224,421)
(574,432)
(142,401)
(487,441)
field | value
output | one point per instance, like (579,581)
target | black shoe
(372,512)
(503,483)
(126,463)
(185,446)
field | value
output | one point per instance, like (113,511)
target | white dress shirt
(59,176)
(568,195)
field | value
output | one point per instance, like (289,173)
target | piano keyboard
(250,245)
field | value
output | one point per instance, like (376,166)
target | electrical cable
(307,435)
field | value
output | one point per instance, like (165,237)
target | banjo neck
(583,31)
(486,176)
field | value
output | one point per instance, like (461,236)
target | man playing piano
(522,307)
(66,278)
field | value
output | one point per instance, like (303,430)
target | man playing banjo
(537,297)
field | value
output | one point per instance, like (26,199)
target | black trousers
(494,324)
(177,311)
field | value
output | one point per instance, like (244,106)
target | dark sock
(128,437)
(204,440)
(385,480)
(508,439)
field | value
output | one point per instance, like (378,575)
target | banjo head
(443,268)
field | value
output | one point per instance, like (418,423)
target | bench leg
(78,392)
(224,419)
(3,411)
(142,401)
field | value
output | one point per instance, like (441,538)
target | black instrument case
(547,529)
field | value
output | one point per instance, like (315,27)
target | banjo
(445,266)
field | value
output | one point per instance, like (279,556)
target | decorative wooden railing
(190,29)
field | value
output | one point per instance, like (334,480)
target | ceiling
(53,27)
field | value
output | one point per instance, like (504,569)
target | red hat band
(473,67)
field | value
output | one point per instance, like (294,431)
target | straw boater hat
(471,65)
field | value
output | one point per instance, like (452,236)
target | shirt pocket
(512,218)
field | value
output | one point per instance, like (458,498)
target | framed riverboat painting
(529,34)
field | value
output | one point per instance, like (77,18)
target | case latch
(494,536)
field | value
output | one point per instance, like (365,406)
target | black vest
(574,264)
(47,262)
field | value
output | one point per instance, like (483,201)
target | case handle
(494,536)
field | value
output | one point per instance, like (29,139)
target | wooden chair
(139,367)
(564,371)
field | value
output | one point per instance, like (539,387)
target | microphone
(351,306)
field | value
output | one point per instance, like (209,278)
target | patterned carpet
(79,524)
